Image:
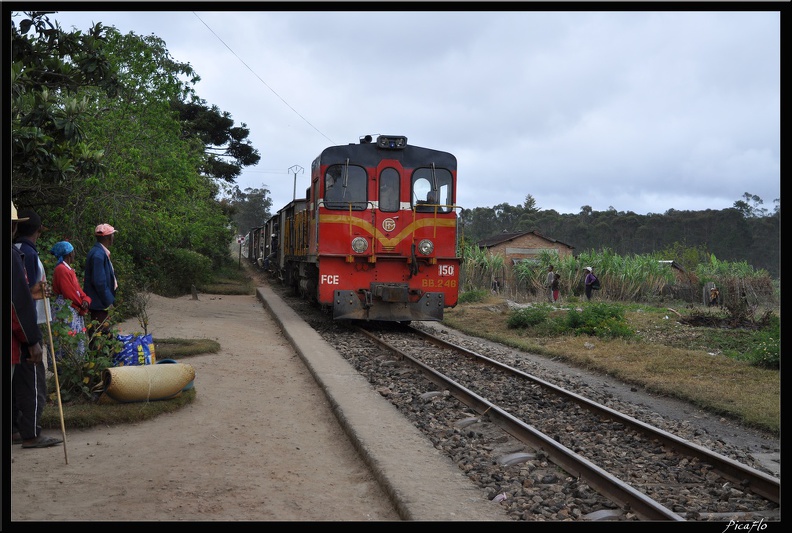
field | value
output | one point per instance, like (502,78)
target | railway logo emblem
(389,224)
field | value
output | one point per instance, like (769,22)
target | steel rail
(758,482)
(605,483)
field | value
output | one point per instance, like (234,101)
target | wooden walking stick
(55,370)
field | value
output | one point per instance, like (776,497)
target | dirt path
(259,443)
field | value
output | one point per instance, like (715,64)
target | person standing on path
(590,279)
(27,235)
(26,240)
(29,377)
(100,282)
(713,297)
(25,330)
(554,286)
(549,283)
(66,287)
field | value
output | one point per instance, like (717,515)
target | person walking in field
(549,283)
(554,286)
(589,282)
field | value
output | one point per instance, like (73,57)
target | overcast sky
(639,111)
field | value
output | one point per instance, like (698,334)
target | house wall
(527,246)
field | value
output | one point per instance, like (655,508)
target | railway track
(644,469)
(546,453)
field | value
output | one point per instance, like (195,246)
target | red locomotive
(375,237)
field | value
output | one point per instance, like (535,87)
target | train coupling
(387,302)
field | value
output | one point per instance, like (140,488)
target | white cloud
(639,111)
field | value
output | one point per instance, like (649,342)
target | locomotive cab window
(345,185)
(431,189)
(389,190)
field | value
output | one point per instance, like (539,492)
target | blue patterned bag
(137,350)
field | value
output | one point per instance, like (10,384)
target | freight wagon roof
(370,155)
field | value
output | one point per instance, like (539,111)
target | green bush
(528,316)
(766,351)
(182,269)
(764,346)
(554,326)
(600,320)
(81,357)
(473,296)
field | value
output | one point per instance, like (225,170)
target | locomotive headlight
(392,142)
(426,247)
(359,245)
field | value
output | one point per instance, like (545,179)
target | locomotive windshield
(389,190)
(432,189)
(345,185)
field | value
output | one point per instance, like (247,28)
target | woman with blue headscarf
(66,287)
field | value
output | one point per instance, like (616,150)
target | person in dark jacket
(590,279)
(100,283)
(26,240)
(28,374)
(549,283)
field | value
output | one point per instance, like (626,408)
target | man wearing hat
(23,308)
(100,282)
(28,383)
(590,278)
(27,235)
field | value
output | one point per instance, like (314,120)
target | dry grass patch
(173,348)
(653,360)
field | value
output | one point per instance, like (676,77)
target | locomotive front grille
(391,292)
(351,305)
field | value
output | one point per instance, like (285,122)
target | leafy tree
(478,223)
(49,68)
(750,206)
(507,217)
(526,219)
(146,179)
(687,256)
(155,186)
(227,146)
(251,208)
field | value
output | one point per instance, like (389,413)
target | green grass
(710,367)
(176,348)
(87,415)
(84,414)
(232,278)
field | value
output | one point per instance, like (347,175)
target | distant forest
(745,232)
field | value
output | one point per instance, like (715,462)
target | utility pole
(295,169)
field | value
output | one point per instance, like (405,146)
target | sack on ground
(137,350)
(143,383)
